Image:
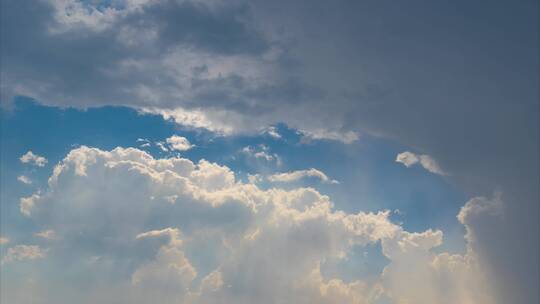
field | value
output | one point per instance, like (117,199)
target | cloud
(24,179)
(162,146)
(272,132)
(33,159)
(408,159)
(347,137)
(150,220)
(444,278)
(254,178)
(46,234)
(4,240)
(179,143)
(300,174)
(27,203)
(22,253)
(144,143)
(170,274)
(231,68)
(261,153)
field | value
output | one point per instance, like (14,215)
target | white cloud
(409,159)
(46,234)
(261,153)
(346,137)
(114,200)
(211,120)
(27,203)
(300,174)
(162,146)
(22,253)
(418,275)
(4,240)
(144,143)
(179,143)
(24,179)
(31,158)
(170,274)
(272,132)
(254,178)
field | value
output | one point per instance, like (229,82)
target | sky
(214,151)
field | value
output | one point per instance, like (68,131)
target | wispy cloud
(409,159)
(301,174)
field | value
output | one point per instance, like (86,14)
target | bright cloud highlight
(158,213)
(33,159)
(409,159)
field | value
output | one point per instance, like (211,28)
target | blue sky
(369,178)
(215,151)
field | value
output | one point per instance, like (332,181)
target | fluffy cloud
(150,220)
(24,179)
(179,143)
(300,174)
(445,278)
(23,253)
(409,159)
(168,277)
(33,159)
(27,203)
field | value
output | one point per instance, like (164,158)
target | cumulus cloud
(33,159)
(27,203)
(22,253)
(4,240)
(179,143)
(24,179)
(300,174)
(445,278)
(408,159)
(149,220)
(169,276)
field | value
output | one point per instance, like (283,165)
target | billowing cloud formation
(409,159)
(22,253)
(149,221)
(300,174)
(179,143)
(33,159)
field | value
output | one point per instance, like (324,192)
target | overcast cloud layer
(457,81)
